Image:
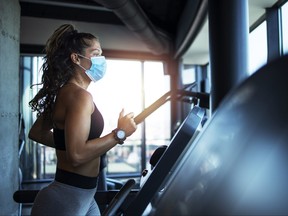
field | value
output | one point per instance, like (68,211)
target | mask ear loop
(82,67)
(78,63)
(83,56)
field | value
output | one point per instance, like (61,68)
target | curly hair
(58,67)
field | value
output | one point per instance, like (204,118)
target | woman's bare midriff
(90,168)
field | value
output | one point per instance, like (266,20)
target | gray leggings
(62,199)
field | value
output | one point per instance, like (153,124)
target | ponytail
(54,42)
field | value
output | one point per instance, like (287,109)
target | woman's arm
(79,149)
(41,132)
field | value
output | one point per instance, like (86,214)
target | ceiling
(121,28)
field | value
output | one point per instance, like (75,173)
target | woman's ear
(75,58)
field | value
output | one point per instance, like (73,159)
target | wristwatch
(119,135)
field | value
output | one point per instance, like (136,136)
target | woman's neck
(79,82)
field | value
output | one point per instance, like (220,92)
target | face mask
(97,69)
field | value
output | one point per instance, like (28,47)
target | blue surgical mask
(97,69)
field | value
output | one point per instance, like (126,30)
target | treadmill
(238,163)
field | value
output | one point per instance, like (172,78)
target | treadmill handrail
(203,97)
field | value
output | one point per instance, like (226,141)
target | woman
(72,61)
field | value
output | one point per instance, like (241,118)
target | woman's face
(93,50)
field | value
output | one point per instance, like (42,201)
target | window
(284,21)
(188,74)
(133,85)
(120,88)
(258,48)
(36,161)
(157,125)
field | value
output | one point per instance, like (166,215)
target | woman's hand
(127,123)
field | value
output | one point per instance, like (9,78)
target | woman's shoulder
(72,95)
(71,100)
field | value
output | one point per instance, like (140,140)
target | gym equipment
(186,132)
(238,164)
(119,198)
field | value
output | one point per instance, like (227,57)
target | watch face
(121,134)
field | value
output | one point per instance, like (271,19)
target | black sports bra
(96,128)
